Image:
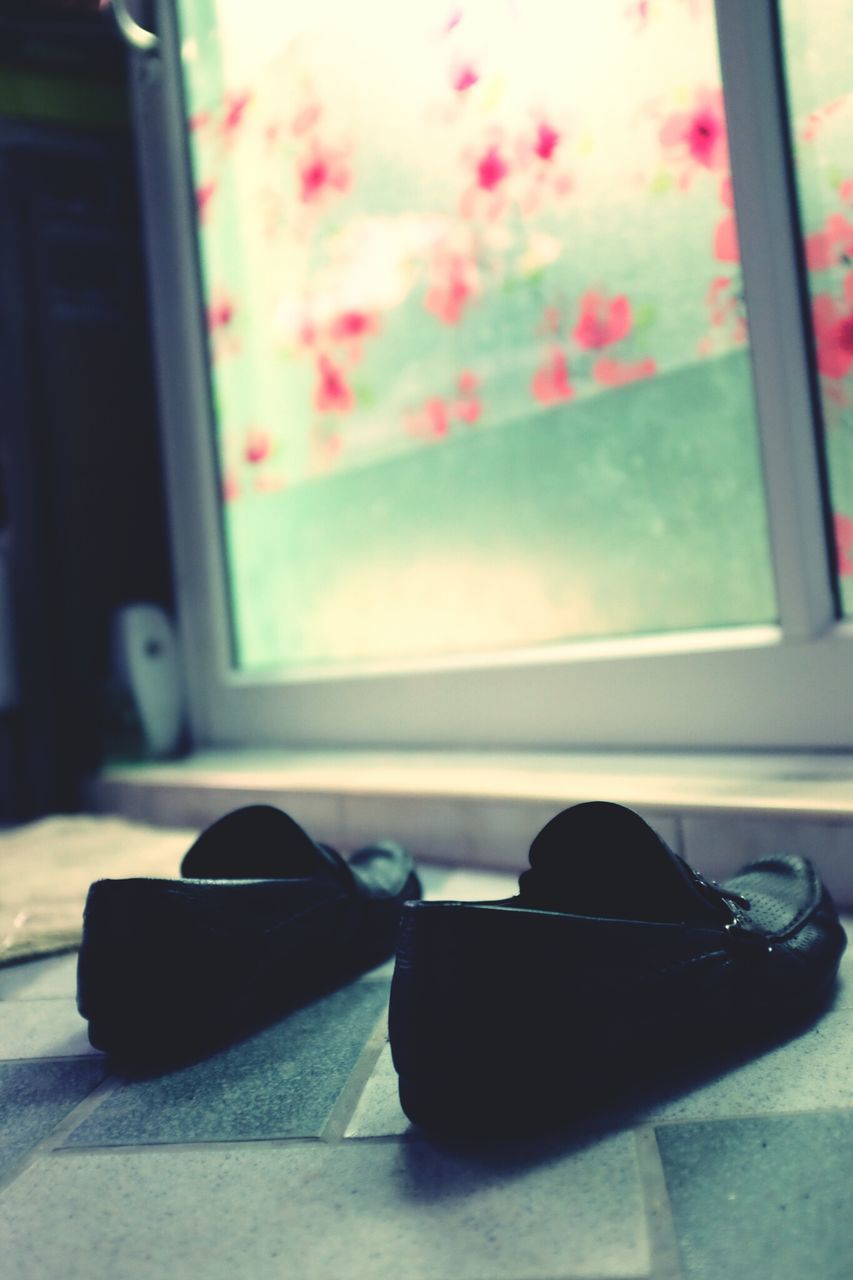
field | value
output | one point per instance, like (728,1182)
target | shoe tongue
(602,859)
(260,842)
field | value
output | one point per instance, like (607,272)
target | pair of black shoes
(615,962)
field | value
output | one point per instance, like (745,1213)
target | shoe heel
(459,1024)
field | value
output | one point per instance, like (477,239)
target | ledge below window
(483,809)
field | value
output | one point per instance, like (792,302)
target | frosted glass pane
(818,39)
(478,339)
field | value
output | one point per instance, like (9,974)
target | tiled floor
(287,1155)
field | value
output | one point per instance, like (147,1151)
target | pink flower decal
(727,316)
(550,383)
(816,120)
(431,421)
(698,137)
(453,286)
(468,408)
(616,373)
(235,108)
(220,313)
(203,197)
(726,248)
(258,446)
(230,487)
(322,172)
(639,11)
(833,329)
(352,325)
(843,544)
(464,77)
(829,247)
(602,321)
(332,395)
(546,142)
(491,170)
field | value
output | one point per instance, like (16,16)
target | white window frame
(788,686)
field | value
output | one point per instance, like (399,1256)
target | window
(490,406)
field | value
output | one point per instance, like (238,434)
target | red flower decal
(546,141)
(602,321)
(616,373)
(491,170)
(827,248)
(551,380)
(432,420)
(323,171)
(454,285)
(220,313)
(350,325)
(833,329)
(332,395)
(468,410)
(203,197)
(726,248)
(258,446)
(464,78)
(235,107)
(699,136)
(843,544)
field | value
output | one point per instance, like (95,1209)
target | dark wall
(79,453)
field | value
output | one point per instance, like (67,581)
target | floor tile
(379,1112)
(40,979)
(35,1096)
(281,1082)
(760,1197)
(42,1029)
(382,1210)
(811,1071)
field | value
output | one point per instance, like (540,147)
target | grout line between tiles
(348,1098)
(25,999)
(215,1144)
(664,1253)
(54,1057)
(60,1131)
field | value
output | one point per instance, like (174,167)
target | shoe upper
(260,842)
(262,918)
(613,949)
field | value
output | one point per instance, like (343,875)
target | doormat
(46,868)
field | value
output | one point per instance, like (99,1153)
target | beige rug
(47,866)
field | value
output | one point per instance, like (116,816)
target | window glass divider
(768,230)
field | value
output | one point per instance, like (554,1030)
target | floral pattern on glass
(475,204)
(820,82)
(426,225)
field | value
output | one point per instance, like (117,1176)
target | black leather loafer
(615,963)
(263,919)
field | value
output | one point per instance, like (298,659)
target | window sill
(483,809)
